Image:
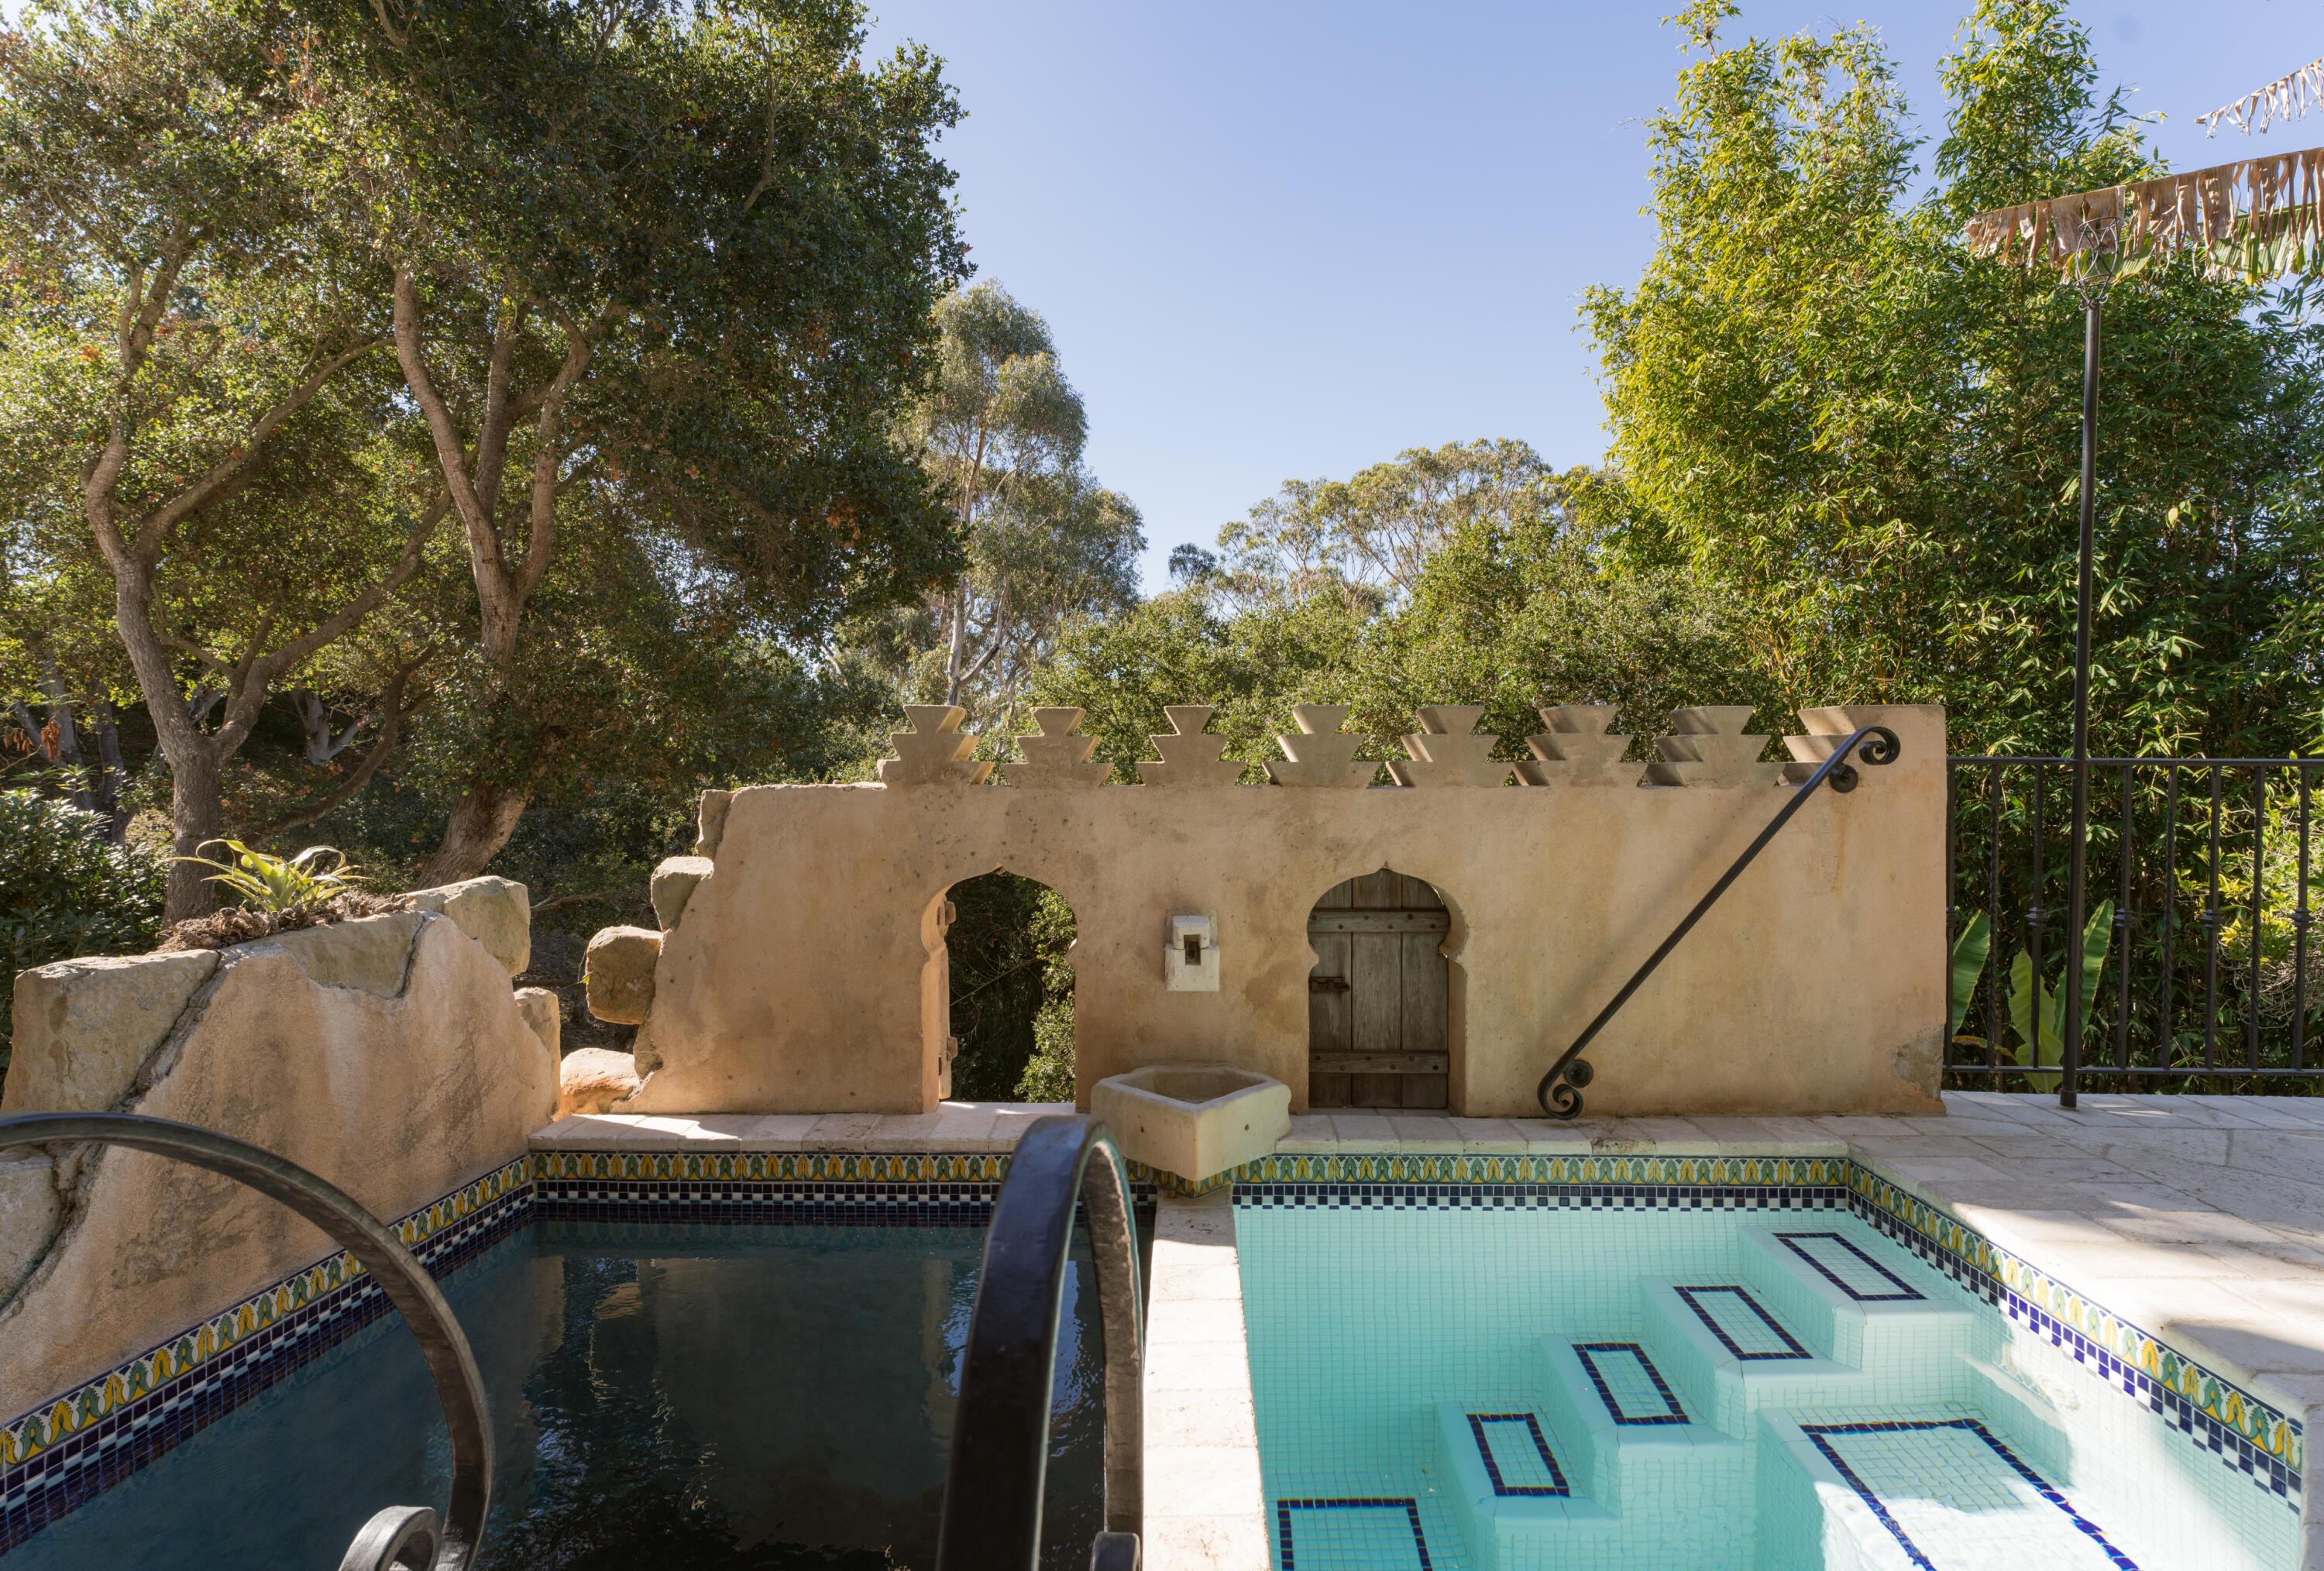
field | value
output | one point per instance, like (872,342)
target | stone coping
(959,1126)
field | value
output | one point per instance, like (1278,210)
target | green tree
(1869,441)
(666,269)
(1519,610)
(190,363)
(1001,432)
(1372,535)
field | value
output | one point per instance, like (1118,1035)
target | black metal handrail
(1000,1429)
(399,1537)
(1560,1091)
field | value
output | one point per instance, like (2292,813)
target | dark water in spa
(683,1397)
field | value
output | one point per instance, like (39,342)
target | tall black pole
(2070,1054)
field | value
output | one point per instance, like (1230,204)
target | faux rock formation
(544,1012)
(1058,758)
(592,1079)
(83,1027)
(1708,747)
(1191,757)
(935,751)
(497,913)
(710,822)
(1448,753)
(619,971)
(1577,749)
(1322,754)
(672,886)
(395,1097)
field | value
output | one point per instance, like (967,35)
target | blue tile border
(1903,1294)
(1791,1348)
(1816,1433)
(1519,1196)
(1408,1504)
(228,1360)
(1673,1411)
(1477,1422)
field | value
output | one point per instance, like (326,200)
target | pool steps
(1868,1337)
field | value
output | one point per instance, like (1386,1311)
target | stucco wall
(388,1055)
(793,979)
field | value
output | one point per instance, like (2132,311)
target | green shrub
(64,891)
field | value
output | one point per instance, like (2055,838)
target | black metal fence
(2194,957)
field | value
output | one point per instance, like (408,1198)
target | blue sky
(1278,239)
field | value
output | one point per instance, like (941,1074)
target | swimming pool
(678,1395)
(1529,1377)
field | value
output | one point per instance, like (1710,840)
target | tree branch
(392,713)
(157,525)
(484,541)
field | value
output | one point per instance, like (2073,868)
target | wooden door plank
(1422,1004)
(1436,922)
(1380,1063)
(1376,991)
(1339,897)
(1377,1091)
(1330,1013)
(1425,1092)
(1381,890)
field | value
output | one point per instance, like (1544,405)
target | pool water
(1444,1387)
(671,1396)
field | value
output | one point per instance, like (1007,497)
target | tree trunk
(194,758)
(482,822)
(68,737)
(193,823)
(108,778)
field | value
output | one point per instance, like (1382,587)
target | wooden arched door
(1375,1000)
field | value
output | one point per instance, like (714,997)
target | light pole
(2253,219)
(2097,251)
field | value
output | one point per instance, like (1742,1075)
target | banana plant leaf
(2030,1002)
(1971,948)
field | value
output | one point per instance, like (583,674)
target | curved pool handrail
(402,1537)
(1000,1429)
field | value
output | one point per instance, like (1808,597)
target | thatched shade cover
(2254,218)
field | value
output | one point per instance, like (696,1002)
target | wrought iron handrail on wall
(1000,1429)
(397,1538)
(1560,1091)
(2202,978)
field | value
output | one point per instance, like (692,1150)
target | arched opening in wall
(1378,998)
(1010,990)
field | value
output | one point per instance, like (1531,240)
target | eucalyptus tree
(1002,431)
(188,351)
(1371,535)
(667,266)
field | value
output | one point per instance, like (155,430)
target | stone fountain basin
(1192,1119)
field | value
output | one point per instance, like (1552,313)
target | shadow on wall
(1010,990)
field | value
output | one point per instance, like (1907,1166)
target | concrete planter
(1194,1120)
